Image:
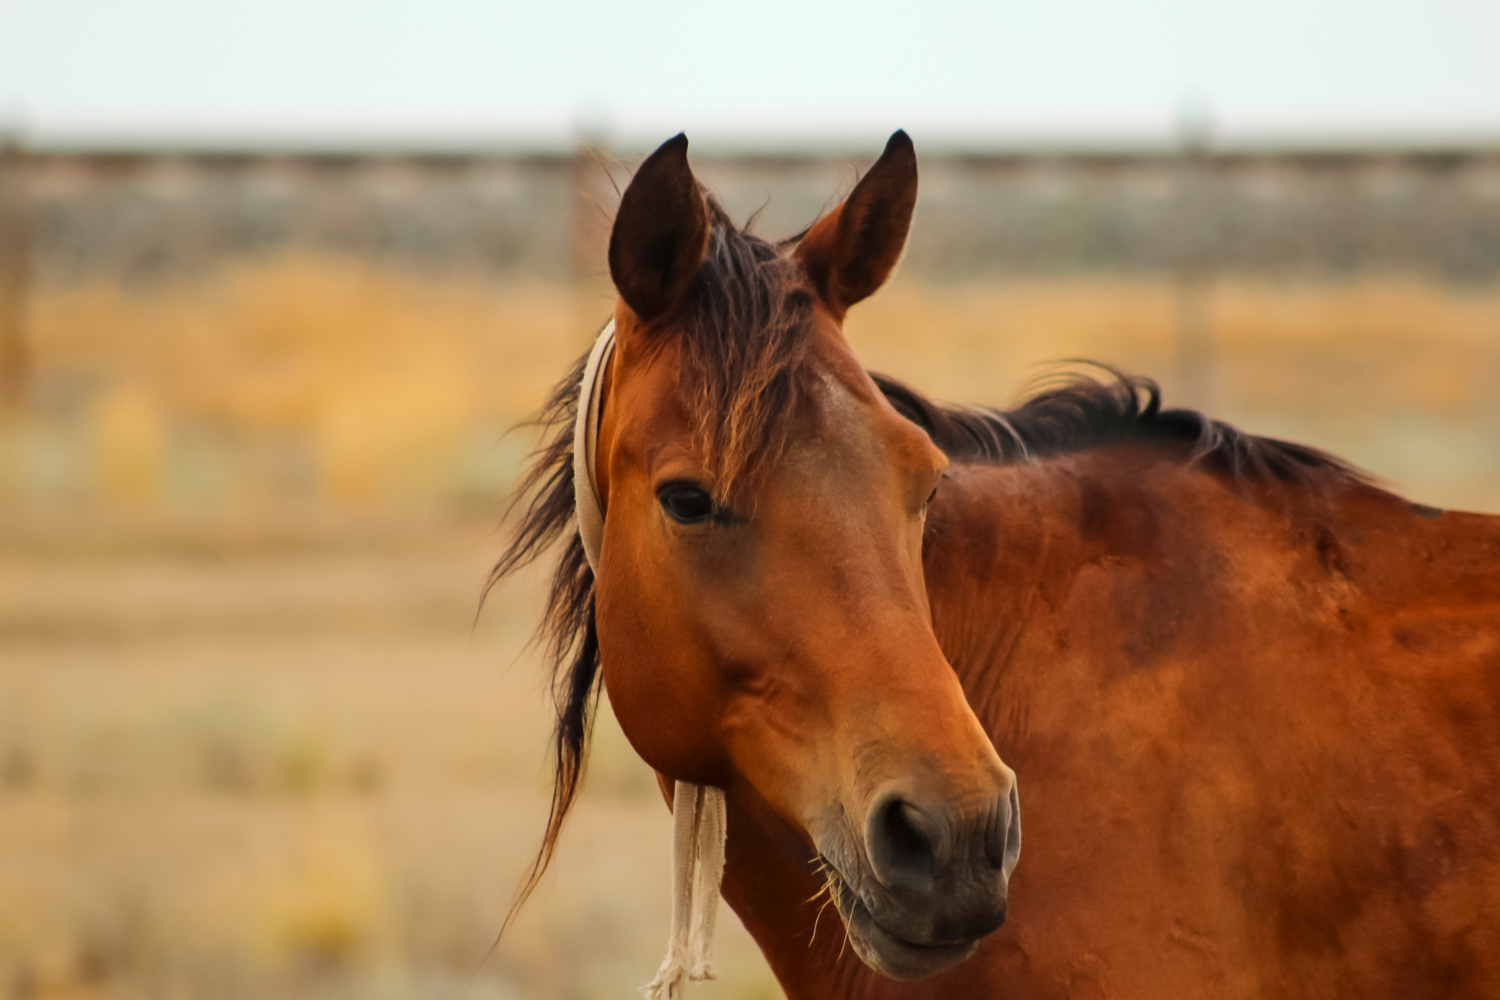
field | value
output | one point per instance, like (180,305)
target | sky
(464,73)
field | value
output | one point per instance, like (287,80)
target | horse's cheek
(658,708)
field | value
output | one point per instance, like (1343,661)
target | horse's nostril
(906,844)
(906,838)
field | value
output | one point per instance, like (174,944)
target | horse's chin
(890,955)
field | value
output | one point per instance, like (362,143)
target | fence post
(1194,264)
(15,271)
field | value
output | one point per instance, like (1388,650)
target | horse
(1254,699)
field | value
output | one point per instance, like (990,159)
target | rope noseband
(699,821)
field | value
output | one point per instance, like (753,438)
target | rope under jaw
(699,820)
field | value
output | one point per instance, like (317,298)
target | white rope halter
(699,821)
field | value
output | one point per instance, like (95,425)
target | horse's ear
(851,251)
(660,233)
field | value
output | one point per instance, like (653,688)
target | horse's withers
(760,603)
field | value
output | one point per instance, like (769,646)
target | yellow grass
(394,387)
(383,375)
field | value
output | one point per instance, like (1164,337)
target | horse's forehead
(838,412)
(850,431)
(836,395)
(841,425)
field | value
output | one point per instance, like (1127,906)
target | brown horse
(1254,700)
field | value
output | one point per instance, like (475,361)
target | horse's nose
(914,840)
(909,844)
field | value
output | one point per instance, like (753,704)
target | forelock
(745,330)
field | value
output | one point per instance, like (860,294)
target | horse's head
(760,604)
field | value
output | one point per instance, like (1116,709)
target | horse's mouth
(886,953)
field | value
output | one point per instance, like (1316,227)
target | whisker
(832,880)
(815,921)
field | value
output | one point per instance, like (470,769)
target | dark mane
(1084,413)
(743,333)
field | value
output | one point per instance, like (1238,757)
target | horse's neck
(1195,678)
(1133,549)
(1007,545)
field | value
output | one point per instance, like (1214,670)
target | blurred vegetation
(306,382)
(282,381)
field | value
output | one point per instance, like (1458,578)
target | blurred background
(277,280)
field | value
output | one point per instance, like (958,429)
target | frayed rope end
(699,817)
(671,982)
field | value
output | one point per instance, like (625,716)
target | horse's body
(1257,730)
(1252,700)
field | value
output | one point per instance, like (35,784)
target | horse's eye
(685,503)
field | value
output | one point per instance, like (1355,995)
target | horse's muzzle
(934,881)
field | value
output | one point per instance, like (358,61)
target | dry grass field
(315,379)
(259,767)
(253,741)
